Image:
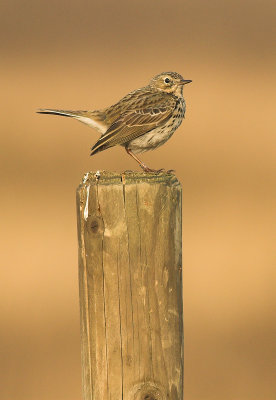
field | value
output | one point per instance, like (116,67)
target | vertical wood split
(130,279)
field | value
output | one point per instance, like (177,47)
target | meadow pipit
(142,120)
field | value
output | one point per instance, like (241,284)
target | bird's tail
(65,113)
(95,119)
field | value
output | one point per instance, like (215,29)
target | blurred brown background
(86,55)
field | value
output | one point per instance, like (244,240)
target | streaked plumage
(142,120)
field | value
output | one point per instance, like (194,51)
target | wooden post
(130,277)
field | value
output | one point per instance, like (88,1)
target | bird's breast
(158,136)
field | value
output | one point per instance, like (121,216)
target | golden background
(87,55)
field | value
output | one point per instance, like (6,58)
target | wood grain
(130,277)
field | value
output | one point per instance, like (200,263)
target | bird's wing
(137,118)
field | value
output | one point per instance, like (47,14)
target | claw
(156,171)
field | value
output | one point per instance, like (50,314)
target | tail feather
(94,119)
(65,113)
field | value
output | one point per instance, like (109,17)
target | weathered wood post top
(130,277)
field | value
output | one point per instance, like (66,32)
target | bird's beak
(185,81)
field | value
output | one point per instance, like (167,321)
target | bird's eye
(167,80)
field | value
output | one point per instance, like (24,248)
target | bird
(141,121)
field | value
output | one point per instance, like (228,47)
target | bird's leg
(142,165)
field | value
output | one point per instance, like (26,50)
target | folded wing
(136,121)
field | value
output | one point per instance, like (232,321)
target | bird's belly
(155,138)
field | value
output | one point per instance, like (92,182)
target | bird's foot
(156,171)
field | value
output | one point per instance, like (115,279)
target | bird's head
(169,82)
